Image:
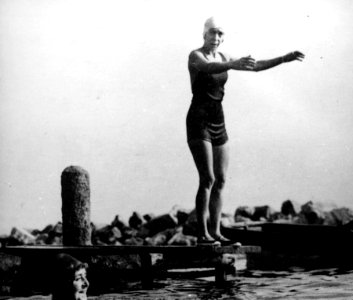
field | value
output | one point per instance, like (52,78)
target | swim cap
(212,23)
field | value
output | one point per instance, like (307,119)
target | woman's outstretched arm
(262,65)
(198,61)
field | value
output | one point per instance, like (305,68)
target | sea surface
(263,285)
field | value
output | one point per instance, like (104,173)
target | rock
(240,219)
(180,214)
(290,207)
(161,238)
(57,240)
(118,223)
(245,212)
(128,233)
(57,230)
(278,217)
(55,233)
(312,213)
(180,239)
(190,226)
(42,239)
(49,228)
(338,216)
(35,232)
(158,224)
(108,235)
(227,221)
(75,194)
(149,217)
(22,236)
(136,220)
(262,213)
(134,241)
(300,219)
(157,240)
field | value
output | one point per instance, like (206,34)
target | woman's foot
(207,241)
(225,242)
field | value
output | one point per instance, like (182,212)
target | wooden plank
(116,250)
(147,272)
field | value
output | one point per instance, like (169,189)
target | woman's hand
(296,55)
(244,63)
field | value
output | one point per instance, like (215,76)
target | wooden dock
(145,253)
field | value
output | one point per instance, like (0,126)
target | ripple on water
(256,285)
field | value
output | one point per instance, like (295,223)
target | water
(248,285)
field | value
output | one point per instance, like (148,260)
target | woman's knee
(207,181)
(219,182)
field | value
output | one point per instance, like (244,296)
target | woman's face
(80,284)
(213,38)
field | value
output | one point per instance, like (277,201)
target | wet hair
(65,267)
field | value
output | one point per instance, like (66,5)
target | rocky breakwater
(309,213)
(177,227)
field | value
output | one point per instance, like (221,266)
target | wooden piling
(75,193)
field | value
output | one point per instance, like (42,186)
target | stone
(290,207)
(180,239)
(75,193)
(158,224)
(48,229)
(57,240)
(190,227)
(134,241)
(42,239)
(129,233)
(55,234)
(22,236)
(227,220)
(338,216)
(136,220)
(180,214)
(119,223)
(245,212)
(108,235)
(57,230)
(262,213)
(148,217)
(312,213)
(240,219)
(161,238)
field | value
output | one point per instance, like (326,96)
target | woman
(206,132)
(70,280)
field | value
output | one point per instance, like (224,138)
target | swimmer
(70,280)
(206,130)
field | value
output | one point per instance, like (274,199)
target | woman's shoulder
(196,52)
(200,53)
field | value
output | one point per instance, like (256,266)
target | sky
(104,85)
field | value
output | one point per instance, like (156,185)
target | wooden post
(220,273)
(225,264)
(146,270)
(75,193)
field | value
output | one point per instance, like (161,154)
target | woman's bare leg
(202,153)
(220,166)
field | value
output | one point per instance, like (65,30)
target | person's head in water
(71,279)
(213,33)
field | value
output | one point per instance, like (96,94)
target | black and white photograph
(158,149)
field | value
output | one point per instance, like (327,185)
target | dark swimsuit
(205,118)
